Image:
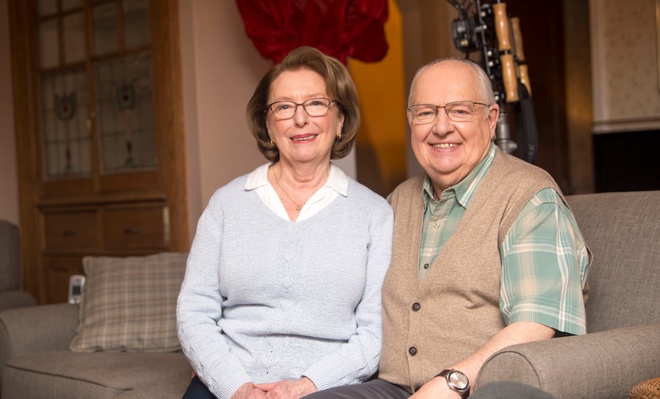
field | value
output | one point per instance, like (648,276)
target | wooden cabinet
(98,119)
(71,230)
(136,228)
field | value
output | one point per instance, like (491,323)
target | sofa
(11,296)
(121,342)
(621,349)
(622,346)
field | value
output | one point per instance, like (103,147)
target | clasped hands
(286,389)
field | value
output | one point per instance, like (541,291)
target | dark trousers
(197,390)
(379,389)
(374,389)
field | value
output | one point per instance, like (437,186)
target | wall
(220,68)
(579,104)
(381,142)
(8,173)
(624,51)
(625,41)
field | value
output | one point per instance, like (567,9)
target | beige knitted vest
(454,311)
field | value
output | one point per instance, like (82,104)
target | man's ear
(493,115)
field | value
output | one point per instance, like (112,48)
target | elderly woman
(282,293)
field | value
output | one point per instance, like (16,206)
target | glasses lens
(316,106)
(460,111)
(423,113)
(283,109)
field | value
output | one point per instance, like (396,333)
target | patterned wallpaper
(625,65)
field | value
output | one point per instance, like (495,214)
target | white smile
(305,138)
(444,146)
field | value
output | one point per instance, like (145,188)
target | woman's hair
(340,88)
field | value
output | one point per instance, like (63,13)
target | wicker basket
(649,389)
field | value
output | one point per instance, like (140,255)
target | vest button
(426,265)
(412,350)
(416,306)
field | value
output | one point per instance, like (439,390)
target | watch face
(458,379)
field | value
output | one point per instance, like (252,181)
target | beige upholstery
(621,350)
(37,362)
(622,347)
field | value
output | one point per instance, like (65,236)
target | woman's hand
(248,391)
(288,389)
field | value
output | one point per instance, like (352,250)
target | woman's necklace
(277,181)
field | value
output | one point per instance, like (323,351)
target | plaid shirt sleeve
(544,266)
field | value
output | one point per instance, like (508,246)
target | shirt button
(412,350)
(436,224)
(416,306)
(426,265)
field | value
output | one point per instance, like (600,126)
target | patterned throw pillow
(129,304)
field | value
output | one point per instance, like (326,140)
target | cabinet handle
(132,230)
(68,233)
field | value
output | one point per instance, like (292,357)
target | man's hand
(436,388)
(248,391)
(288,389)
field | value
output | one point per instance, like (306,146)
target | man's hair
(484,82)
(339,85)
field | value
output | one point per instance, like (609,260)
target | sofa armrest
(16,299)
(36,329)
(600,365)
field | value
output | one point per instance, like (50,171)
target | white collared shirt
(337,184)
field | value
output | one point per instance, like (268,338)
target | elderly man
(486,252)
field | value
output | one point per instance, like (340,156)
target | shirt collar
(465,189)
(337,179)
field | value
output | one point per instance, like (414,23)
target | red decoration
(339,28)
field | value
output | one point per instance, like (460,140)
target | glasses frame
(269,107)
(437,109)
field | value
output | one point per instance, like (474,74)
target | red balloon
(339,28)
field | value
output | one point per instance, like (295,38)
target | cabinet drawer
(71,231)
(146,227)
(58,271)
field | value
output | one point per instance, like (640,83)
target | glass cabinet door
(96,98)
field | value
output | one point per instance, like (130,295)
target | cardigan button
(412,350)
(416,306)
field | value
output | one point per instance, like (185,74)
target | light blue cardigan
(266,299)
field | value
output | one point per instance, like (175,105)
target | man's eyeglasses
(313,107)
(457,111)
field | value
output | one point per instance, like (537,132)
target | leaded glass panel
(64,121)
(125,117)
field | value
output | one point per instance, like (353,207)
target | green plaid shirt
(544,257)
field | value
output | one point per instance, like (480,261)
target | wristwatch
(457,381)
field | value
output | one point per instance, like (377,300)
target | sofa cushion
(97,375)
(129,304)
